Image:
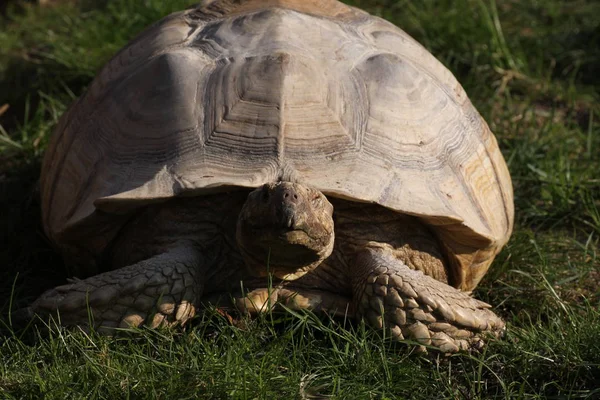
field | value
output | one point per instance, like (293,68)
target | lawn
(532,68)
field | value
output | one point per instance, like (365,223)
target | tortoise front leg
(162,290)
(415,306)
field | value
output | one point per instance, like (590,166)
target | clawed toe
(415,307)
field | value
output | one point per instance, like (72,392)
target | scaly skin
(162,290)
(376,264)
(415,306)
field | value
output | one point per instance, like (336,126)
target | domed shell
(234,94)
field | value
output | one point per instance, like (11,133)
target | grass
(532,68)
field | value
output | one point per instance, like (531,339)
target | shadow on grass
(29,264)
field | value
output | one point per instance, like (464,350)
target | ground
(532,68)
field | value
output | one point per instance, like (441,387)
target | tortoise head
(285,228)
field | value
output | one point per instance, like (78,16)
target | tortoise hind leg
(161,290)
(415,306)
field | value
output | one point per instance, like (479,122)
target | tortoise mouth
(285,253)
(293,235)
(285,264)
(298,237)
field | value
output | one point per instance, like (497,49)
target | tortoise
(268,153)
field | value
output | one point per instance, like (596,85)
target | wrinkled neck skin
(285,229)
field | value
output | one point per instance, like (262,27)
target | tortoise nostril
(289,196)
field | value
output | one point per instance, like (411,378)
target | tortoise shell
(235,94)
